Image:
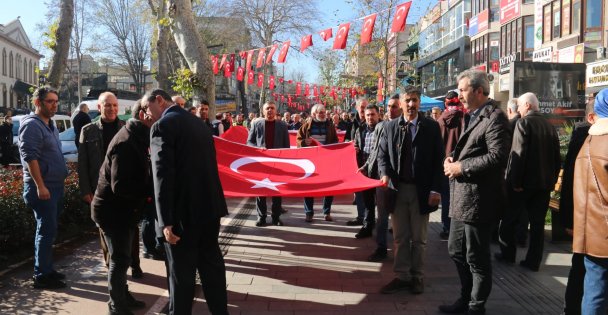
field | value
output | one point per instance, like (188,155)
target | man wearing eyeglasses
(44,172)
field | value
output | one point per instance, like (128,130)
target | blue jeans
(46,213)
(360,205)
(309,202)
(595,296)
(382,221)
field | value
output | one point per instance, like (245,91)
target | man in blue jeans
(44,172)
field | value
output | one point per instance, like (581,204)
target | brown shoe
(395,285)
(328,218)
(308,218)
(417,286)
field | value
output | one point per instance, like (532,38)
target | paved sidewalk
(300,268)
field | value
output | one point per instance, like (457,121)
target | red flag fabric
(401,17)
(298,88)
(306,89)
(236,134)
(227,70)
(326,34)
(249,58)
(240,73)
(214,64)
(271,82)
(231,62)
(305,42)
(223,62)
(283,52)
(322,88)
(260,61)
(353,92)
(260,80)
(341,36)
(281,79)
(329,170)
(243,54)
(315,91)
(368,28)
(271,53)
(250,76)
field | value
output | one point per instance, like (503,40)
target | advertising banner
(473,26)
(482,20)
(597,74)
(509,9)
(572,54)
(225,105)
(543,55)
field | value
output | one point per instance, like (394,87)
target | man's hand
(169,236)
(384,180)
(452,169)
(88,198)
(434,199)
(43,193)
(362,170)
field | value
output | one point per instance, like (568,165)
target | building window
(593,23)
(494,49)
(4,63)
(576,16)
(547,23)
(10,64)
(503,41)
(557,18)
(24,69)
(30,72)
(566,17)
(528,37)
(519,34)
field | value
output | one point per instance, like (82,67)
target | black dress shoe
(134,304)
(444,235)
(364,232)
(476,312)
(48,282)
(155,255)
(378,255)
(528,265)
(277,222)
(502,258)
(57,275)
(459,307)
(260,222)
(354,222)
(136,272)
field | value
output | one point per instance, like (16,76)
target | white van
(123,105)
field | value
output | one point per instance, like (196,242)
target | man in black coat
(189,203)
(534,165)
(409,163)
(80,120)
(476,172)
(124,181)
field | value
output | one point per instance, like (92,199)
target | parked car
(62,122)
(68,146)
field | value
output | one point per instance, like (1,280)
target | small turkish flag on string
(333,92)
(315,91)
(322,88)
(306,89)
(271,82)
(341,36)
(260,80)
(368,29)
(281,79)
(214,65)
(401,17)
(231,62)
(240,73)
(290,82)
(326,34)
(353,92)
(243,54)
(271,53)
(305,42)
(298,88)
(250,76)
(249,58)
(223,62)
(283,52)
(227,70)
(260,61)
(289,100)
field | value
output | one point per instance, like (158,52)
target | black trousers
(536,204)
(202,255)
(119,241)
(469,248)
(149,236)
(575,287)
(262,208)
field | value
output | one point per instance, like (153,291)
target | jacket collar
(599,128)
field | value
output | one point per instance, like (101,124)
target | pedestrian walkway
(299,268)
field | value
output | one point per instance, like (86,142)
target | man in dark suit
(534,165)
(476,172)
(409,163)
(269,133)
(189,203)
(80,120)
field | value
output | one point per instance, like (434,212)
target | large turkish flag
(236,134)
(305,172)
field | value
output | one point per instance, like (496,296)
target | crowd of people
(489,171)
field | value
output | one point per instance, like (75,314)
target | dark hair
(151,96)
(204,102)
(395,97)
(477,79)
(137,107)
(218,116)
(41,93)
(410,89)
(451,94)
(372,106)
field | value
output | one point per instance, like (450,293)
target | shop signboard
(597,74)
(225,105)
(505,62)
(572,54)
(482,20)
(543,55)
(473,26)
(560,88)
(509,9)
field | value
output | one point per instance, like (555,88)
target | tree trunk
(62,46)
(194,51)
(162,45)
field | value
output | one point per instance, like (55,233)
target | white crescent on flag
(341,31)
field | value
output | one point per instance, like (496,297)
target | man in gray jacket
(476,170)
(269,133)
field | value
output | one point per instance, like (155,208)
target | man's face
(47,107)
(155,107)
(410,104)
(345,116)
(180,101)
(336,118)
(203,111)
(361,109)
(321,114)
(287,116)
(394,110)
(468,96)
(109,109)
(270,111)
(435,114)
(251,116)
(523,108)
(296,118)
(239,118)
(371,117)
